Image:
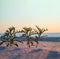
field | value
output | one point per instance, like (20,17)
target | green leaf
(28,43)
(7,45)
(36,39)
(31,43)
(20,41)
(23,35)
(35,31)
(1,43)
(11,41)
(38,28)
(16,44)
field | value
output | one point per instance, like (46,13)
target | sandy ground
(45,50)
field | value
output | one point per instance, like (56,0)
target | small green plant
(27,32)
(39,32)
(9,37)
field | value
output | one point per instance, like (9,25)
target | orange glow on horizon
(51,29)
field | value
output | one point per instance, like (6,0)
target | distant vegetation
(9,36)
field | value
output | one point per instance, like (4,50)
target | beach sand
(45,50)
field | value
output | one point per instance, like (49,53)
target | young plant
(27,32)
(9,37)
(39,32)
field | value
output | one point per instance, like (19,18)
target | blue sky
(44,13)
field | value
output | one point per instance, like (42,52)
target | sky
(21,13)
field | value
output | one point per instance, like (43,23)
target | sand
(45,50)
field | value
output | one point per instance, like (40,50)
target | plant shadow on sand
(41,54)
(15,57)
(11,54)
(2,48)
(53,55)
(35,51)
(15,49)
(15,53)
(33,54)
